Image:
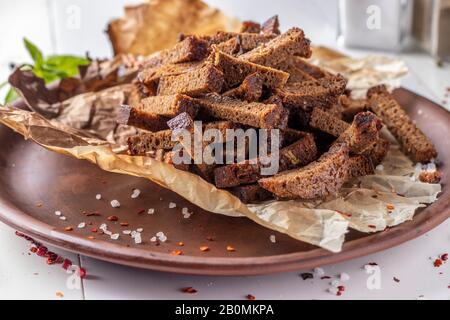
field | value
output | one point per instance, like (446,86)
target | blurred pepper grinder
(375,24)
(432,27)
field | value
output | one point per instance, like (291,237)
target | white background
(23,276)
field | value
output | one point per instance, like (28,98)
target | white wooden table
(29,277)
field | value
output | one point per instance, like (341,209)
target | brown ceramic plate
(35,182)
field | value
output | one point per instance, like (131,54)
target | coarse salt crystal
(81,225)
(172,205)
(140,229)
(151,211)
(185,210)
(115,236)
(319,272)
(63,218)
(153,239)
(136,193)
(127,232)
(133,233)
(344,276)
(379,167)
(98,196)
(58,213)
(160,234)
(163,238)
(272,238)
(115,204)
(137,238)
(103,226)
(186,216)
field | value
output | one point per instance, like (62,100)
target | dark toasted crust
(191,48)
(299,153)
(317,180)
(236,70)
(363,134)
(271,54)
(246,41)
(196,83)
(252,193)
(259,115)
(150,76)
(140,119)
(251,89)
(413,141)
(143,143)
(271,26)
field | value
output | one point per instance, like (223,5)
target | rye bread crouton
(413,141)
(291,43)
(169,106)
(251,89)
(236,70)
(196,83)
(255,114)
(317,180)
(299,153)
(140,119)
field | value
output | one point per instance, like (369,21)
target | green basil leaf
(34,52)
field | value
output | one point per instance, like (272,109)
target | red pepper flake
(204,248)
(176,253)
(33,249)
(141,211)
(189,290)
(340,291)
(437,263)
(371,226)
(66,264)
(92,214)
(68,229)
(345,214)
(124,224)
(113,218)
(39,204)
(59,294)
(91,237)
(181,244)
(250,297)
(82,273)
(444,256)
(231,249)
(95,230)
(390,207)
(396,279)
